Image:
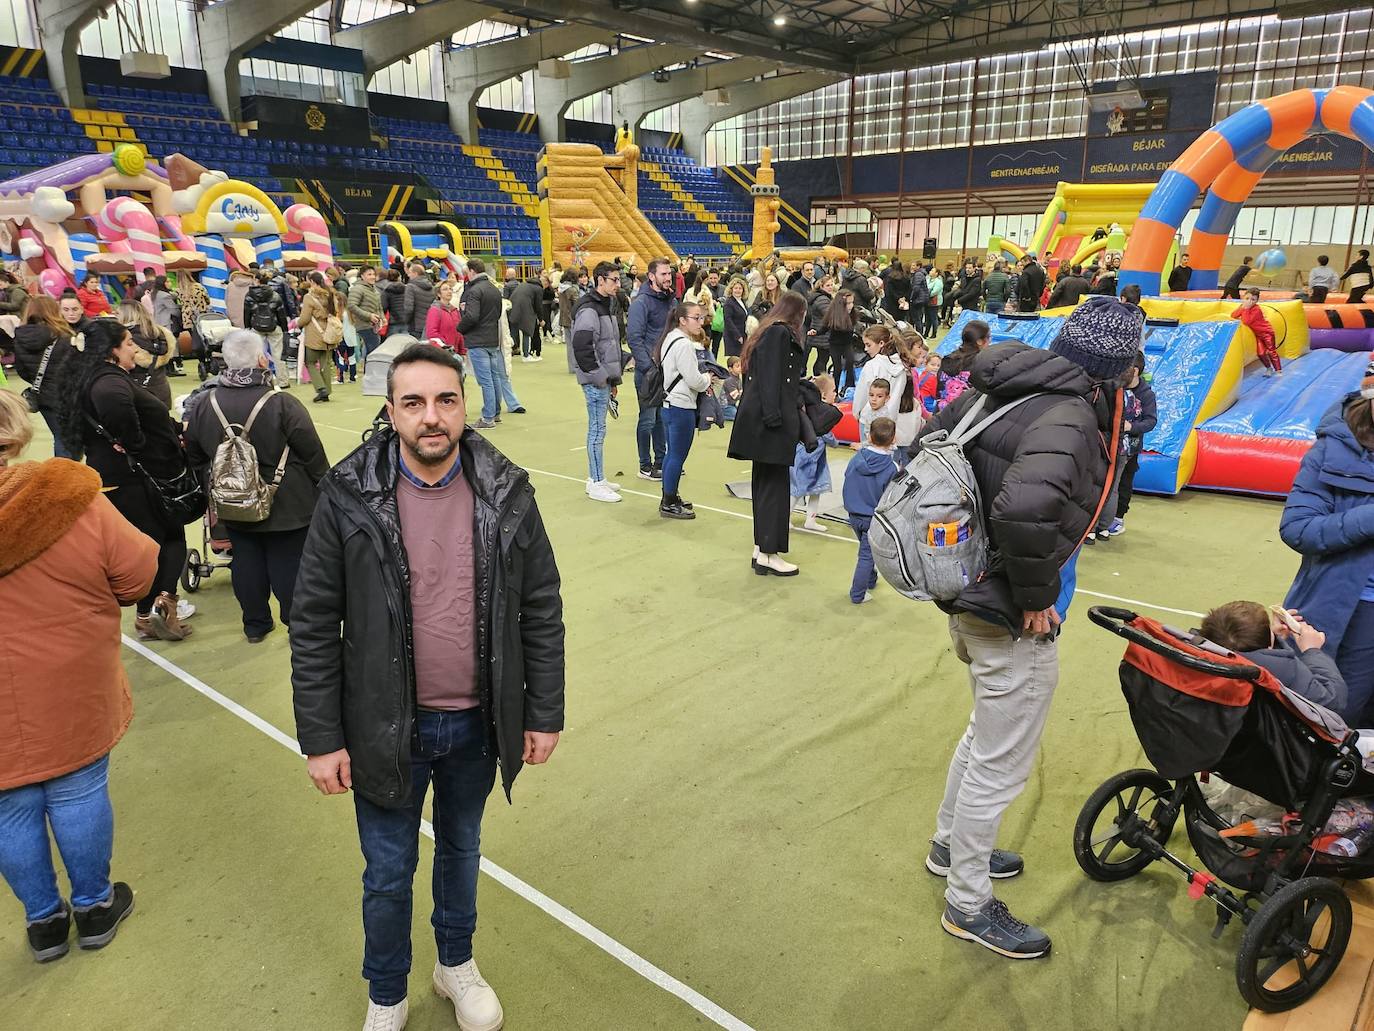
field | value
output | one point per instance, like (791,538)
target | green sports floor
(732,829)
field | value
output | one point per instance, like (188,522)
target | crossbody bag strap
(43,367)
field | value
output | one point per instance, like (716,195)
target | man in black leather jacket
(426,646)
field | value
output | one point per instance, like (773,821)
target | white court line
(529,893)
(847,539)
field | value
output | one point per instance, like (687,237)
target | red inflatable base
(1257,465)
(847,430)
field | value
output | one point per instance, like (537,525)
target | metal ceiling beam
(1005,26)
(384,41)
(686,30)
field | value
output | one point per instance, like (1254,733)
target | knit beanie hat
(1102,336)
(1367,384)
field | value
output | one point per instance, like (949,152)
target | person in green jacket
(996,288)
(365,311)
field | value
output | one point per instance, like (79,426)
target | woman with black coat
(971,298)
(841,325)
(45,327)
(817,336)
(767,426)
(736,317)
(896,289)
(100,394)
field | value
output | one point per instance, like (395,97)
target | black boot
(671,507)
(96,927)
(48,938)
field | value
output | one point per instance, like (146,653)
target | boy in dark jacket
(1295,658)
(865,478)
(1042,471)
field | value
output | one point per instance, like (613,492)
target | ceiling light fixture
(779,21)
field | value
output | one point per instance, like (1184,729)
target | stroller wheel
(190,575)
(1294,944)
(1108,836)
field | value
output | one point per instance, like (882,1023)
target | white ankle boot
(774,565)
(474,1003)
(386,1018)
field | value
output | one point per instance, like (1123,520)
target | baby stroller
(1198,709)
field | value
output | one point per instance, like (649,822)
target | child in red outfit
(1251,314)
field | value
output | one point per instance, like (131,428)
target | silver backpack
(927,536)
(237,490)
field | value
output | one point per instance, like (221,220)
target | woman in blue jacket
(1329,520)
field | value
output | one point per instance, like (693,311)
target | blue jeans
(1355,660)
(452,750)
(367,342)
(489,366)
(598,401)
(59,449)
(865,575)
(681,425)
(649,432)
(994,307)
(77,807)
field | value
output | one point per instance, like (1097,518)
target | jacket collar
(39,502)
(594,300)
(372,470)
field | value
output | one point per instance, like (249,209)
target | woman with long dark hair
(842,329)
(768,426)
(116,422)
(45,334)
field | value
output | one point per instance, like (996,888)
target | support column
(231,28)
(636,99)
(696,116)
(387,40)
(470,70)
(553,97)
(60,23)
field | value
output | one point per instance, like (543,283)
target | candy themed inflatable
(88,215)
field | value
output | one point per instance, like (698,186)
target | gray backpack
(237,489)
(927,535)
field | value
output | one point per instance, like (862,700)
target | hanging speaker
(929,247)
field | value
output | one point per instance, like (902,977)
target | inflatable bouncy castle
(120,213)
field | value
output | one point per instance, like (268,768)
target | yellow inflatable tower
(588,207)
(766,204)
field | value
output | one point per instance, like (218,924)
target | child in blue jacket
(865,478)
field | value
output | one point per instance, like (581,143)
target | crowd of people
(418,583)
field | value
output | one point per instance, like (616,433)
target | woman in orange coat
(68,562)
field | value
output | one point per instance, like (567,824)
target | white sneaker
(597,490)
(185,610)
(386,1018)
(535,358)
(613,486)
(529,358)
(474,1003)
(815,526)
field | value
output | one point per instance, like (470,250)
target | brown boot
(166,625)
(143,626)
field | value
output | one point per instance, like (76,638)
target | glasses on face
(695,318)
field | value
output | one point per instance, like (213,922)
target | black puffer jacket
(767,427)
(356,690)
(30,341)
(1041,472)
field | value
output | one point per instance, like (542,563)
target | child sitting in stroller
(1294,657)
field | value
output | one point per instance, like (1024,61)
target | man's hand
(539,746)
(1041,622)
(332,773)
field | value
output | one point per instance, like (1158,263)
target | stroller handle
(1118,621)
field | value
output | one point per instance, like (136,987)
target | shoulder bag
(31,393)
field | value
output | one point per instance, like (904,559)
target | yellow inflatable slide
(588,208)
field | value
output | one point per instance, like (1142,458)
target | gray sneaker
(1000,865)
(484,424)
(993,927)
